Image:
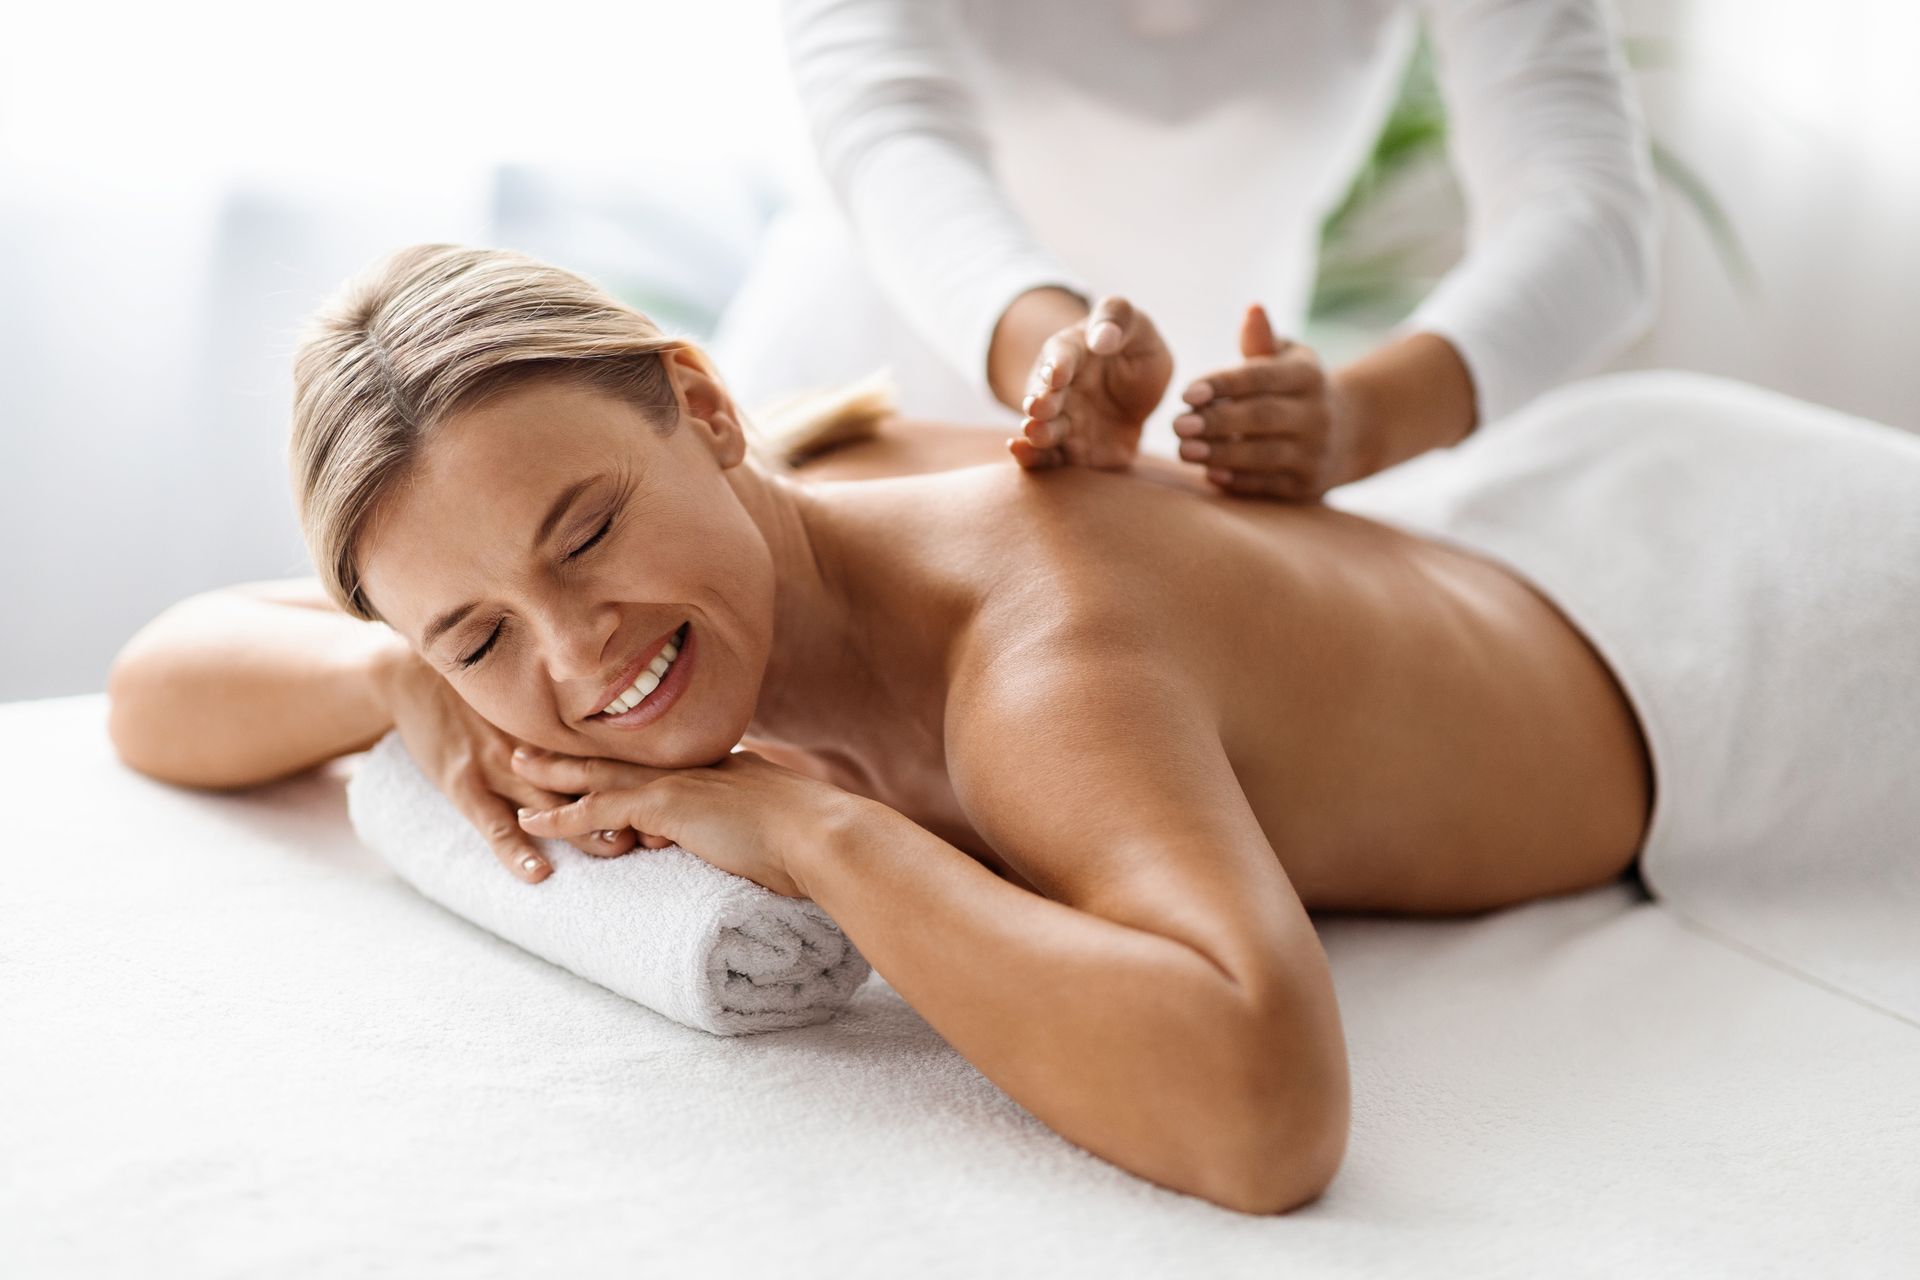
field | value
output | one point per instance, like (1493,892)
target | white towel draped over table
(1749,567)
(237,1046)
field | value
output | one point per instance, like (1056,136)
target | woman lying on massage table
(1076,750)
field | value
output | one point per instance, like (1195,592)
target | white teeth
(649,681)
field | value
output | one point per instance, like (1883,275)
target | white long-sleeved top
(1183,153)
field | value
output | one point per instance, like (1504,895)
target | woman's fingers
(648,807)
(575,775)
(610,842)
(493,816)
(569,776)
(519,793)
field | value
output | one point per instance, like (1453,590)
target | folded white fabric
(662,927)
(1749,567)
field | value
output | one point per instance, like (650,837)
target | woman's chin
(663,751)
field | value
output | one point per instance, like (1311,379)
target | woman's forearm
(229,690)
(1129,1043)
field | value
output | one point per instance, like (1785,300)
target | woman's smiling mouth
(655,686)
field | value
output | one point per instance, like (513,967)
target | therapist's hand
(471,763)
(1091,389)
(1274,426)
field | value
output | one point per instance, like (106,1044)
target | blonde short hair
(434,328)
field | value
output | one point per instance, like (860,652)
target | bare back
(1416,729)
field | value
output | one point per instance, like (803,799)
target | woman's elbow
(1280,1130)
(1282,1162)
(137,738)
(145,720)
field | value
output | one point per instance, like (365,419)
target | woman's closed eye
(577,552)
(588,544)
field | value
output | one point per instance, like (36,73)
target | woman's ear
(709,409)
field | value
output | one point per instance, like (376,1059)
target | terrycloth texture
(233,1045)
(662,927)
(1749,566)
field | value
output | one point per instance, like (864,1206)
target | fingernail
(1189,424)
(1105,337)
(1199,393)
(532,864)
(608,836)
(1194,450)
(528,813)
(520,753)
(1046,373)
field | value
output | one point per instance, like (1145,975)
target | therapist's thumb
(1108,325)
(1256,334)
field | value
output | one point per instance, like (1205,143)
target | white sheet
(1749,566)
(237,1045)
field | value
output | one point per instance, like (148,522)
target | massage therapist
(992,172)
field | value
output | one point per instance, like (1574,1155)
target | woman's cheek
(527,723)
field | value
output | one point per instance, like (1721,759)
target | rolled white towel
(663,927)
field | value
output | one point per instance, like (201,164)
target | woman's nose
(576,640)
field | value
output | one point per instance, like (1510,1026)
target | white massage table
(237,1045)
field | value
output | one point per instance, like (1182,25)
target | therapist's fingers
(1090,443)
(1050,429)
(1033,457)
(1060,360)
(1286,486)
(1259,454)
(1110,324)
(1295,371)
(1305,416)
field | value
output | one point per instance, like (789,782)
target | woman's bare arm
(1165,1004)
(248,684)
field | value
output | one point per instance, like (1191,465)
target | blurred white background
(180,184)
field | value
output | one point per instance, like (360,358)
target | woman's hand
(746,814)
(1275,426)
(470,762)
(1092,387)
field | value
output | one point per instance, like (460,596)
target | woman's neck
(861,634)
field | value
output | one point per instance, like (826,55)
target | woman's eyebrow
(548,523)
(558,511)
